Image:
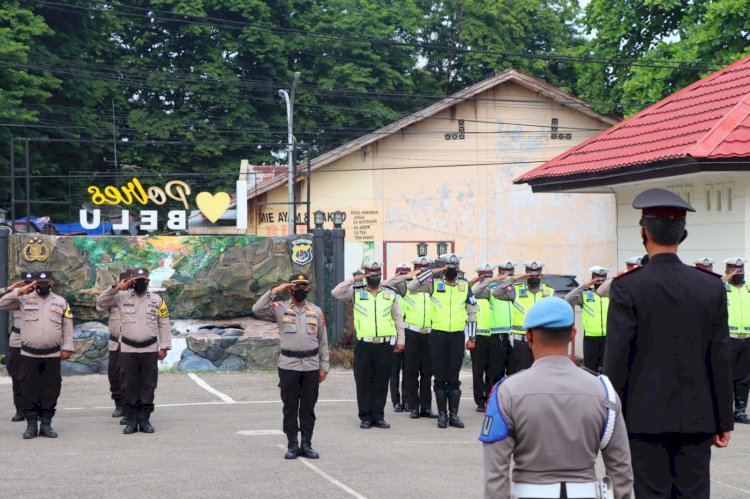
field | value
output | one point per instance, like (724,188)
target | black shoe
(442,420)
(45,429)
(118,412)
(454,421)
(124,419)
(18,416)
(307,451)
(144,425)
(380,423)
(131,423)
(398,407)
(365,424)
(428,414)
(454,399)
(31,429)
(414,414)
(741,417)
(480,408)
(292,450)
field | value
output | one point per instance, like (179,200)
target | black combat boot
(454,397)
(18,416)
(45,429)
(131,424)
(118,412)
(293,447)
(32,430)
(441,398)
(144,423)
(306,449)
(740,412)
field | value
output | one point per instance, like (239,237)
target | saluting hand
(322,376)
(439,269)
(124,284)
(25,289)
(65,354)
(359,277)
(413,274)
(13,286)
(281,287)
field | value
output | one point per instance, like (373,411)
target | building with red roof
(696,142)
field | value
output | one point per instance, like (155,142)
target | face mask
(738,278)
(534,281)
(299,294)
(43,289)
(140,286)
(451,274)
(373,282)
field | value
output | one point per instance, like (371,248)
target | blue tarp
(78,228)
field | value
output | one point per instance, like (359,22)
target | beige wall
(476,205)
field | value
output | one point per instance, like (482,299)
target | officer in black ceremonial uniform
(667,355)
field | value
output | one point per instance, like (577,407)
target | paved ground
(228,443)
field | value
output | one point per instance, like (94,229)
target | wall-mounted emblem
(36,250)
(302,251)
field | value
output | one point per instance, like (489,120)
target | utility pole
(289,98)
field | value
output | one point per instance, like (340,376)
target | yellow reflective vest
(417,309)
(502,314)
(449,313)
(373,313)
(594,313)
(738,303)
(524,300)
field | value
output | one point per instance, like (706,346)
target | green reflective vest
(523,302)
(484,317)
(502,313)
(449,314)
(372,313)
(417,309)
(594,313)
(738,303)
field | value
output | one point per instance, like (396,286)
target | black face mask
(451,274)
(140,286)
(534,281)
(373,282)
(43,289)
(738,279)
(299,294)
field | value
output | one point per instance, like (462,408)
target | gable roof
(707,120)
(510,76)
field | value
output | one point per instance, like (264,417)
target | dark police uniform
(667,356)
(14,357)
(397,382)
(46,331)
(304,355)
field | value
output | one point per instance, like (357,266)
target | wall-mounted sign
(36,250)
(302,251)
(212,205)
(361,224)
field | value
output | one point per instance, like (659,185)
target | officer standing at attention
(46,339)
(454,318)
(379,329)
(303,363)
(145,337)
(14,346)
(399,402)
(523,295)
(594,318)
(552,420)
(502,314)
(668,357)
(113,367)
(486,356)
(738,301)
(705,263)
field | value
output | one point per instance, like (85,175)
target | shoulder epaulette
(626,272)
(709,272)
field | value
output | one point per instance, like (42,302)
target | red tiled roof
(709,119)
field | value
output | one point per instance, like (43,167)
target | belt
(16,330)
(519,337)
(138,344)
(501,330)
(518,328)
(40,351)
(299,354)
(114,338)
(378,339)
(417,329)
(483,332)
(573,490)
(739,336)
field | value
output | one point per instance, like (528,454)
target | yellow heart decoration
(212,205)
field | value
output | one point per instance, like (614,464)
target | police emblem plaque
(302,251)
(36,250)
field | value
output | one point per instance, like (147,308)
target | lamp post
(338,272)
(421,249)
(289,98)
(319,261)
(442,248)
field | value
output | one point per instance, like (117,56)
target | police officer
(523,295)
(400,403)
(594,317)
(486,356)
(418,310)
(303,363)
(453,319)
(705,263)
(668,357)
(379,329)
(552,419)
(738,301)
(113,366)
(631,263)
(14,346)
(46,339)
(144,340)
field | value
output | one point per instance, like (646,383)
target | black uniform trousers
(113,373)
(299,393)
(593,352)
(372,369)
(521,356)
(139,373)
(447,356)
(487,362)
(398,394)
(14,366)
(417,371)
(740,352)
(671,465)
(40,380)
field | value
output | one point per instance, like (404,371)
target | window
(707,195)
(718,195)
(687,194)
(729,192)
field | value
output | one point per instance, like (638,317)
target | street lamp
(319,217)
(421,249)
(338,219)
(442,248)
(289,98)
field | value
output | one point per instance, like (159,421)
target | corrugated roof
(709,119)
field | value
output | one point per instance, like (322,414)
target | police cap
(298,278)
(422,262)
(485,270)
(403,268)
(139,273)
(452,260)
(27,276)
(599,272)
(632,262)
(373,268)
(661,203)
(533,267)
(704,263)
(734,263)
(549,313)
(42,276)
(506,266)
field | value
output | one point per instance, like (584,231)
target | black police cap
(661,203)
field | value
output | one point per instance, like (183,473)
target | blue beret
(551,312)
